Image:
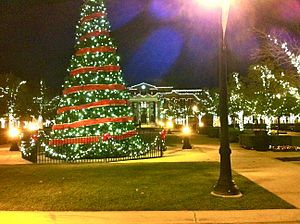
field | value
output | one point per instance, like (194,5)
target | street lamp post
(225,186)
(14,134)
(186,131)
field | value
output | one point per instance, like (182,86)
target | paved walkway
(281,178)
(10,157)
(290,216)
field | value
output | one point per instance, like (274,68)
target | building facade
(155,104)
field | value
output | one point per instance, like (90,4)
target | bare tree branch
(273,49)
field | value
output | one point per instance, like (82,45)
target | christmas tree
(94,119)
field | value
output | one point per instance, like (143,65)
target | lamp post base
(186,143)
(14,146)
(226,190)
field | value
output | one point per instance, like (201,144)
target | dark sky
(167,42)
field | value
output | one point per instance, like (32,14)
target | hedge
(213,132)
(265,142)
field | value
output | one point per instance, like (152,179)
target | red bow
(106,137)
(163,134)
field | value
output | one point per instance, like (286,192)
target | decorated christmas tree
(94,119)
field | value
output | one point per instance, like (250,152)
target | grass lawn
(135,186)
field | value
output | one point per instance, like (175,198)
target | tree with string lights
(93,119)
(285,52)
(10,88)
(271,92)
(238,105)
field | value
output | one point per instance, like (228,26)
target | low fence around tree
(34,150)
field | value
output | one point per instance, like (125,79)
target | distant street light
(170,126)
(195,109)
(225,187)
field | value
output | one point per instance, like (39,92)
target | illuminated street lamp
(14,134)
(170,126)
(195,109)
(161,124)
(225,187)
(186,131)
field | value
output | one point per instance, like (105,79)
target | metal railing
(35,151)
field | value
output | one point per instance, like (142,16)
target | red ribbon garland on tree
(92,105)
(94,50)
(105,68)
(91,139)
(81,140)
(94,34)
(124,136)
(92,16)
(91,122)
(93,87)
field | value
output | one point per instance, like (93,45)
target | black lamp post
(225,186)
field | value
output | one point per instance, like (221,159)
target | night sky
(165,42)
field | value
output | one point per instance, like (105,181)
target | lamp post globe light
(186,131)
(225,186)
(14,134)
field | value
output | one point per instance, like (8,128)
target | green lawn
(135,186)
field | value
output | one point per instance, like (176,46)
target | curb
(156,217)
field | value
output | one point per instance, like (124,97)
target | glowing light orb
(170,125)
(186,130)
(195,108)
(161,124)
(13,132)
(214,3)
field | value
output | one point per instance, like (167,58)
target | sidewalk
(181,217)
(281,178)
(11,157)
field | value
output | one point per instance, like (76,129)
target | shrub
(277,140)
(203,130)
(255,126)
(297,127)
(233,133)
(3,136)
(262,142)
(257,142)
(213,132)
